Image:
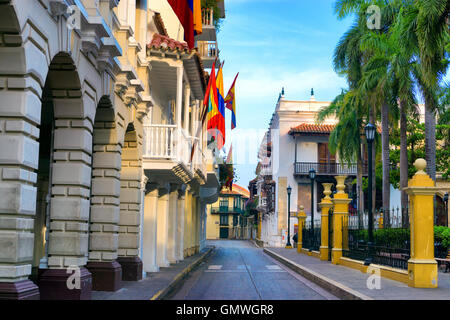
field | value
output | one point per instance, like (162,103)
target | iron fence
(391,246)
(311,237)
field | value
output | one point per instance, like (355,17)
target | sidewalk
(157,284)
(348,283)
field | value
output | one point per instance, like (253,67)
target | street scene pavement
(238,270)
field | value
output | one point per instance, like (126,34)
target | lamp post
(312,176)
(288,244)
(370,137)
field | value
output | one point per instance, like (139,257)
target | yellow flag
(198,17)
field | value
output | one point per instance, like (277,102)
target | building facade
(293,146)
(226,219)
(99,109)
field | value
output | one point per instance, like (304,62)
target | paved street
(237,270)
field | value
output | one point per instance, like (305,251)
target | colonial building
(293,146)
(99,109)
(226,218)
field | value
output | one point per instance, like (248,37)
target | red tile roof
(162,42)
(237,190)
(313,128)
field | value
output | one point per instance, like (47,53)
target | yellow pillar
(259,225)
(340,212)
(422,268)
(325,205)
(301,222)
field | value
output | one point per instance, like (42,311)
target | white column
(187,103)
(163,227)
(180,225)
(179,105)
(172,228)
(150,232)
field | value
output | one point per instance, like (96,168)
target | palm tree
(425,31)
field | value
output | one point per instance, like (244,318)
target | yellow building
(225,219)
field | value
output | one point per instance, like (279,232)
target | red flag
(184,9)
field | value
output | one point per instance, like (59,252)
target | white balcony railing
(208,49)
(208,17)
(171,143)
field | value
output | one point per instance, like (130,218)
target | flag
(230,101)
(221,107)
(184,9)
(198,29)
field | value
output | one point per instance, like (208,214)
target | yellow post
(422,268)
(325,205)
(340,202)
(380,221)
(301,222)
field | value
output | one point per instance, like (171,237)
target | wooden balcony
(327,168)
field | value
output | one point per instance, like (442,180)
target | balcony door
(325,159)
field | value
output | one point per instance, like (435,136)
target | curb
(179,277)
(338,289)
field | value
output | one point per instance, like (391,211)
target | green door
(224,226)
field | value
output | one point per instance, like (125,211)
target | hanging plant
(212,4)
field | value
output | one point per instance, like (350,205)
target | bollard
(422,267)
(340,213)
(325,205)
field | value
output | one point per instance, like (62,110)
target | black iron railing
(328,168)
(311,238)
(391,246)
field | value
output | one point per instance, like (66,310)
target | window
(224,220)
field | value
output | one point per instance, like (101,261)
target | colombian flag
(230,100)
(221,107)
(184,9)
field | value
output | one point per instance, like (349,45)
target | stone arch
(130,205)
(71,181)
(104,217)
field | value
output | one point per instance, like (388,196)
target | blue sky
(275,44)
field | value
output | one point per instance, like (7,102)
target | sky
(275,44)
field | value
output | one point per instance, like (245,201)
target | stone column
(301,223)
(20,114)
(70,204)
(325,205)
(181,203)
(422,267)
(172,224)
(130,201)
(150,229)
(104,217)
(187,224)
(340,213)
(163,226)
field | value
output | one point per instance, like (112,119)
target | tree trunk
(359,187)
(403,162)
(430,137)
(386,162)
(374,180)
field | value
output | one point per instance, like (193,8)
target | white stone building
(293,146)
(98,113)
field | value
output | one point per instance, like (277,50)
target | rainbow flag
(230,101)
(184,9)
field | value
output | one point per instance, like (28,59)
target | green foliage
(250,207)
(442,235)
(212,4)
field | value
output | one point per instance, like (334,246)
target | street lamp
(312,176)
(288,244)
(370,137)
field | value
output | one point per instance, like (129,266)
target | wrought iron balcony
(224,209)
(328,168)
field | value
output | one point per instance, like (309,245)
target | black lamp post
(312,176)
(370,137)
(288,244)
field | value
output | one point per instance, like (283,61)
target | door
(223,226)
